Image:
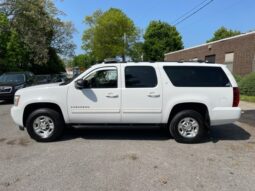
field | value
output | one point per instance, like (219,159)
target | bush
(247,85)
(238,78)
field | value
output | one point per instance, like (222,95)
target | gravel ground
(129,159)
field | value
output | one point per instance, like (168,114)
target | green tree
(160,38)
(109,34)
(83,61)
(222,33)
(15,53)
(136,52)
(4,37)
(38,30)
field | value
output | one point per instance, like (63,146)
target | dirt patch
(163,180)
(2,140)
(130,156)
(11,142)
(21,141)
(9,183)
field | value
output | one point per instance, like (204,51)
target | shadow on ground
(248,116)
(230,132)
(217,133)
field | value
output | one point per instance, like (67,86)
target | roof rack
(196,61)
(110,60)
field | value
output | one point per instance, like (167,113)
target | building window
(229,60)
(194,59)
(210,58)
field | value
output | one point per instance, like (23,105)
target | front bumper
(17,116)
(225,115)
(7,96)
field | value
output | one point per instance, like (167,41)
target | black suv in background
(12,81)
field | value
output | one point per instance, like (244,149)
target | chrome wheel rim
(188,127)
(43,126)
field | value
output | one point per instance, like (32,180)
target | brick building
(237,52)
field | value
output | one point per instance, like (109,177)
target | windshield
(12,78)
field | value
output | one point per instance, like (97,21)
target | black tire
(57,119)
(173,127)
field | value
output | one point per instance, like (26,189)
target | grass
(248,98)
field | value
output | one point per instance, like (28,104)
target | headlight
(19,87)
(16,100)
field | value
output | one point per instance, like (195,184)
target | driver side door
(99,102)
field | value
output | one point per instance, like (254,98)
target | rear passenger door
(141,94)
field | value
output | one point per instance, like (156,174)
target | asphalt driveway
(128,159)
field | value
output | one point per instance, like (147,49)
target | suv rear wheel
(187,126)
(45,125)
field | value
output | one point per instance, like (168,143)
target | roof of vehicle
(15,72)
(166,63)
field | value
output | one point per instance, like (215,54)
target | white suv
(186,97)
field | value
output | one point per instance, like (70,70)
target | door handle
(112,95)
(153,95)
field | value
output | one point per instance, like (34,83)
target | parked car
(59,78)
(12,81)
(42,79)
(186,98)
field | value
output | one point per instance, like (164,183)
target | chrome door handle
(153,95)
(112,96)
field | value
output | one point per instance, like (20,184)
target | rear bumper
(225,115)
(17,116)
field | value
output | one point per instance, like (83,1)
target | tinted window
(103,79)
(12,78)
(140,77)
(192,76)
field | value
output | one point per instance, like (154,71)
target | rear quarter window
(197,76)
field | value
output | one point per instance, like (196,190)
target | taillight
(236,96)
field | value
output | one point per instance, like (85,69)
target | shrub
(247,85)
(238,78)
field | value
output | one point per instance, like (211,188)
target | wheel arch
(196,106)
(34,106)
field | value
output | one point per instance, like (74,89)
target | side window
(195,76)
(140,77)
(107,78)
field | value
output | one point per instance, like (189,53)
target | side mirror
(80,84)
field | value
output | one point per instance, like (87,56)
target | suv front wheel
(187,126)
(45,125)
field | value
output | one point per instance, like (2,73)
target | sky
(233,14)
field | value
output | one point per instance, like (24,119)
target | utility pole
(125,43)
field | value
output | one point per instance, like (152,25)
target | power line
(175,21)
(193,13)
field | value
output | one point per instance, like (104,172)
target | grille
(5,89)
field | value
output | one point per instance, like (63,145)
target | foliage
(136,52)
(247,85)
(15,52)
(35,34)
(4,36)
(54,64)
(222,33)
(83,61)
(109,34)
(238,78)
(248,98)
(160,38)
